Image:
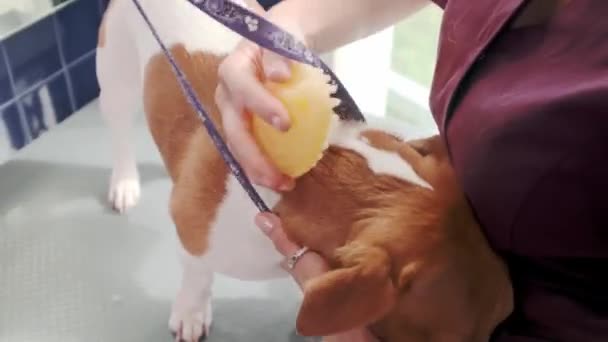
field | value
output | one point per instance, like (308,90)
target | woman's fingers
(271,225)
(276,68)
(239,95)
(258,101)
(242,144)
(310,265)
(238,74)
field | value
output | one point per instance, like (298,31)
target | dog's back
(172,121)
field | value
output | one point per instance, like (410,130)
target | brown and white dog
(408,258)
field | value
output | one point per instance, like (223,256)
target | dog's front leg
(120,97)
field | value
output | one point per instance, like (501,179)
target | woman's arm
(328,24)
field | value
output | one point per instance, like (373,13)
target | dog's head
(371,205)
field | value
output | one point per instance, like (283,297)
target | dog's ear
(357,294)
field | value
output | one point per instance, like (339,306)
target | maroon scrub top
(524,112)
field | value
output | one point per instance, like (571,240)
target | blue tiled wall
(47,72)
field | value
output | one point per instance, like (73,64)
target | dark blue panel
(33,54)
(77,26)
(84,81)
(6,91)
(103,5)
(268,3)
(12,122)
(60,97)
(58,2)
(32,106)
(48,102)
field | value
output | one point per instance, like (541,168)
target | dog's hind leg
(191,314)
(118,73)
(195,199)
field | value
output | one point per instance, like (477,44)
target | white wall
(363,68)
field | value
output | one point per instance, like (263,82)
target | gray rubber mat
(71,270)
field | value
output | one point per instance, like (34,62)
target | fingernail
(265,225)
(287,186)
(278,123)
(279,72)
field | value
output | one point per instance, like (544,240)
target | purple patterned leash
(234,166)
(271,37)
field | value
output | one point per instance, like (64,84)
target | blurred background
(47,65)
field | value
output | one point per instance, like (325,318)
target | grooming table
(72,270)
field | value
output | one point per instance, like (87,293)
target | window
(389,74)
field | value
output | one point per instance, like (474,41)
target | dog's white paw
(124,193)
(190,323)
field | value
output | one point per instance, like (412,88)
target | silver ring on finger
(293,260)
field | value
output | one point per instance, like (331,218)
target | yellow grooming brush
(307,98)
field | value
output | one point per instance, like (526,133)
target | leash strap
(271,37)
(267,35)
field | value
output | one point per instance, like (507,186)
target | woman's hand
(308,266)
(240,93)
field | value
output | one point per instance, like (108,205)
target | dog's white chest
(237,248)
